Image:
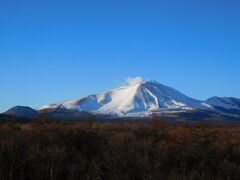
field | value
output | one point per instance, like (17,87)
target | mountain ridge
(136,99)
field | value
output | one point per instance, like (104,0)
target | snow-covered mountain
(136,98)
(226,102)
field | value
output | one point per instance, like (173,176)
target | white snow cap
(131,81)
(137,96)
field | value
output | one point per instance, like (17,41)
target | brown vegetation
(155,150)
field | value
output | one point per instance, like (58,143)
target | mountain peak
(137,96)
(139,81)
(130,81)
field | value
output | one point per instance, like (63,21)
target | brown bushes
(49,151)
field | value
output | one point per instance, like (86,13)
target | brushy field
(134,151)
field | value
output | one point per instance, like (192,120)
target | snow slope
(226,102)
(137,97)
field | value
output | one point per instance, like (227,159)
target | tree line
(119,151)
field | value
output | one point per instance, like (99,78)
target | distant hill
(22,111)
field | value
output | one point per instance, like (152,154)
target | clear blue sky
(56,50)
